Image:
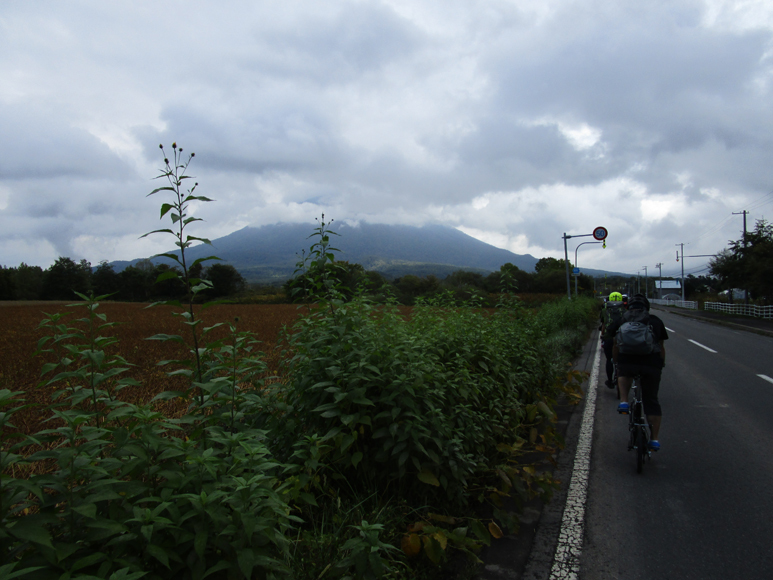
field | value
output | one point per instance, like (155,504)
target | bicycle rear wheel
(641,448)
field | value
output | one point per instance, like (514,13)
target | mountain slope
(270,253)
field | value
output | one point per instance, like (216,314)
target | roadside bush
(384,436)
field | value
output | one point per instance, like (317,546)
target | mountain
(269,253)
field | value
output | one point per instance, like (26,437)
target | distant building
(738,293)
(664,287)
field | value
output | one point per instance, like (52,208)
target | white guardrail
(678,303)
(742,309)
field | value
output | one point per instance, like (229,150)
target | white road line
(670,330)
(766,377)
(566,562)
(702,346)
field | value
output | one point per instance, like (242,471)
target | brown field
(19,334)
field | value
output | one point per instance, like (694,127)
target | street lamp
(575,264)
(599,234)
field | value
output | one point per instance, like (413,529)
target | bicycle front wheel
(641,448)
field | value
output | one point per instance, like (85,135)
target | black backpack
(613,316)
(635,335)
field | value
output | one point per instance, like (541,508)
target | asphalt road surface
(703,507)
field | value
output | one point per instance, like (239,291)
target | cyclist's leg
(624,381)
(650,386)
(607,344)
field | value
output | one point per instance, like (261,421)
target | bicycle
(638,426)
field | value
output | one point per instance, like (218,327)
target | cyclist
(647,366)
(612,312)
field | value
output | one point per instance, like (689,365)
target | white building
(664,287)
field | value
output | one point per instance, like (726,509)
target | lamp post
(599,234)
(575,264)
(645,281)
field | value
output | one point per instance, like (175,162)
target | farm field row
(19,334)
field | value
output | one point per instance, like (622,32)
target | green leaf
(200,544)
(165,188)
(246,559)
(165,207)
(158,553)
(31,529)
(433,550)
(6,571)
(89,560)
(194,238)
(426,476)
(544,409)
(166,231)
(89,510)
(167,275)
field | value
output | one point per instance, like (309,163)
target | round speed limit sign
(600,233)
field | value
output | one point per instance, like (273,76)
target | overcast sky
(513,121)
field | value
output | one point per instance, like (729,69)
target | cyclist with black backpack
(611,315)
(639,351)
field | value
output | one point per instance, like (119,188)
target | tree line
(549,277)
(135,283)
(748,263)
(138,282)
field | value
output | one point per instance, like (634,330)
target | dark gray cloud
(513,121)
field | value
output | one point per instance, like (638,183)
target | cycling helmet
(615,297)
(639,301)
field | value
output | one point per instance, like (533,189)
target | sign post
(600,234)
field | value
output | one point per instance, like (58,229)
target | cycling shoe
(654,445)
(622,408)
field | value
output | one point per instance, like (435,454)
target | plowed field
(19,334)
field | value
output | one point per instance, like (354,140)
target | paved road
(703,508)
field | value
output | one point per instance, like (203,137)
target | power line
(762,201)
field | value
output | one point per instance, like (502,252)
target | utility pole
(746,291)
(659,266)
(645,282)
(681,246)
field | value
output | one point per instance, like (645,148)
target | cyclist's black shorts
(650,383)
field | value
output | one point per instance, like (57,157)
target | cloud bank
(512,121)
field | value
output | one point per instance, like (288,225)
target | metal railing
(678,303)
(742,309)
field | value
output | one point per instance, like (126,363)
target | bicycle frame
(638,426)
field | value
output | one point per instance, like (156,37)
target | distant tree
(7,284)
(104,279)
(28,281)
(550,281)
(135,284)
(465,285)
(748,263)
(64,278)
(464,278)
(226,280)
(549,264)
(410,287)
